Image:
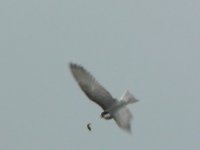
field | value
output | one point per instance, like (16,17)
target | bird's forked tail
(128,98)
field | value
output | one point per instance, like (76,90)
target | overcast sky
(151,48)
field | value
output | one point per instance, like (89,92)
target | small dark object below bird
(89,126)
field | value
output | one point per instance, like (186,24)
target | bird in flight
(112,108)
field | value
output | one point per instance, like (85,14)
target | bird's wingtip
(71,63)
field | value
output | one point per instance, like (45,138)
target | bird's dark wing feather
(91,87)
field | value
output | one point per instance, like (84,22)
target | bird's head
(106,115)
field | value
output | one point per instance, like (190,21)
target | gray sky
(149,47)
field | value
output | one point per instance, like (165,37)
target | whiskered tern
(112,108)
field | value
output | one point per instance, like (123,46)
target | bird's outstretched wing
(123,118)
(91,87)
